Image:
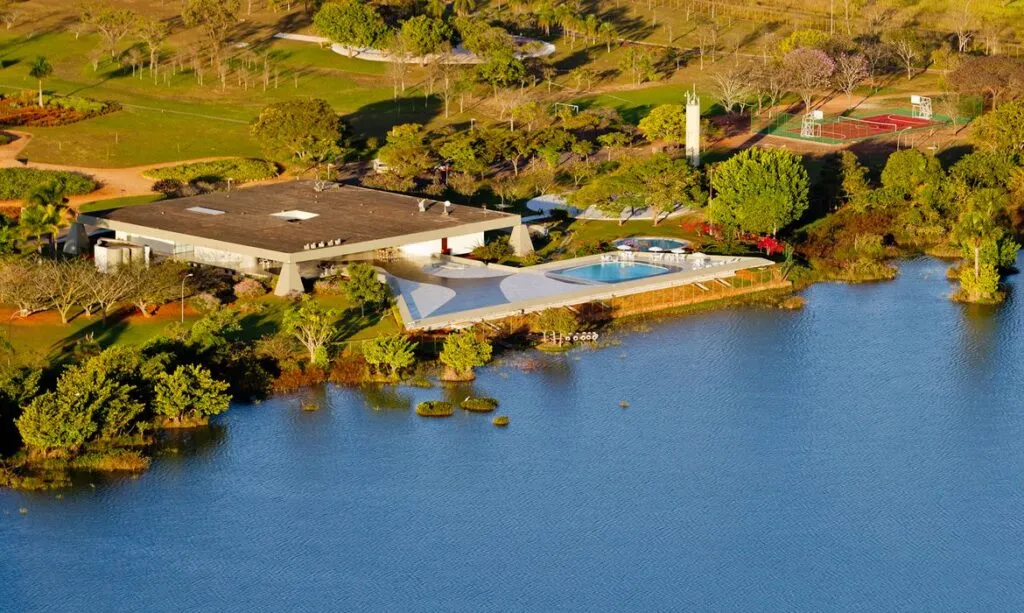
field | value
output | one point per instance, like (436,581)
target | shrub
(435,408)
(462,352)
(479,405)
(330,286)
(249,289)
(18,183)
(240,170)
(205,303)
(494,251)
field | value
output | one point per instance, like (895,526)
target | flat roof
(293,218)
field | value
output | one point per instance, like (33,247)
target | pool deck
(444,293)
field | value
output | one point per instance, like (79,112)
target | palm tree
(607,32)
(40,69)
(37,220)
(45,210)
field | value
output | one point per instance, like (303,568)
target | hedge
(240,170)
(18,183)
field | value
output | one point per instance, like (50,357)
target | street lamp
(900,135)
(185,278)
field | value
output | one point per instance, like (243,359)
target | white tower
(693,128)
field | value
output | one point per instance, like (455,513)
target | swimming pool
(613,272)
(645,243)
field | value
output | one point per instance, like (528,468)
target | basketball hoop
(921,107)
(811,126)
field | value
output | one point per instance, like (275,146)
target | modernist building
(296,229)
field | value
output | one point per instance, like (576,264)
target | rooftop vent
(202,210)
(294,215)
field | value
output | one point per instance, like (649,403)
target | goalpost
(921,107)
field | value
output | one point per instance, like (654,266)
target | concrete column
(520,240)
(77,241)
(290,280)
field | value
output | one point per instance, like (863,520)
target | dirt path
(114,182)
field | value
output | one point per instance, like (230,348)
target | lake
(863,454)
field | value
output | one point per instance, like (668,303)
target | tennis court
(837,130)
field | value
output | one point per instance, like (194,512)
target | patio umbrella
(679,250)
(624,248)
(655,249)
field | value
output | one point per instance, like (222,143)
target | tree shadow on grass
(106,334)
(375,119)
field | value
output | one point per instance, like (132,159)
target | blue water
(645,244)
(614,272)
(864,454)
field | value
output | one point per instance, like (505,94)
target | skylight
(294,215)
(202,210)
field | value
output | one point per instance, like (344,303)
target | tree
(363,288)
(978,223)
(56,423)
(666,123)
(512,146)
(406,152)
(907,47)
(810,71)
(153,32)
(557,322)
(425,35)
(307,130)
(668,184)
(608,34)
(113,24)
(19,286)
(64,284)
(315,327)
(394,353)
(855,182)
(805,39)
(851,69)
(37,220)
(769,81)
(40,70)
(1002,129)
(759,190)
(215,18)
(994,77)
(639,65)
(462,352)
(466,152)
(351,23)
(503,70)
(614,141)
(190,396)
(732,87)
(153,286)
(106,291)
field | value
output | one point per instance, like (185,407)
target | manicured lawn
(635,104)
(116,203)
(43,336)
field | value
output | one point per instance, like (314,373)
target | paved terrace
(453,292)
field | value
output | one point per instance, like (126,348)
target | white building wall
(458,245)
(159,246)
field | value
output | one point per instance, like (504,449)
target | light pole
(899,136)
(185,278)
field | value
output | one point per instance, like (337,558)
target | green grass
(179,119)
(117,203)
(43,336)
(635,104)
